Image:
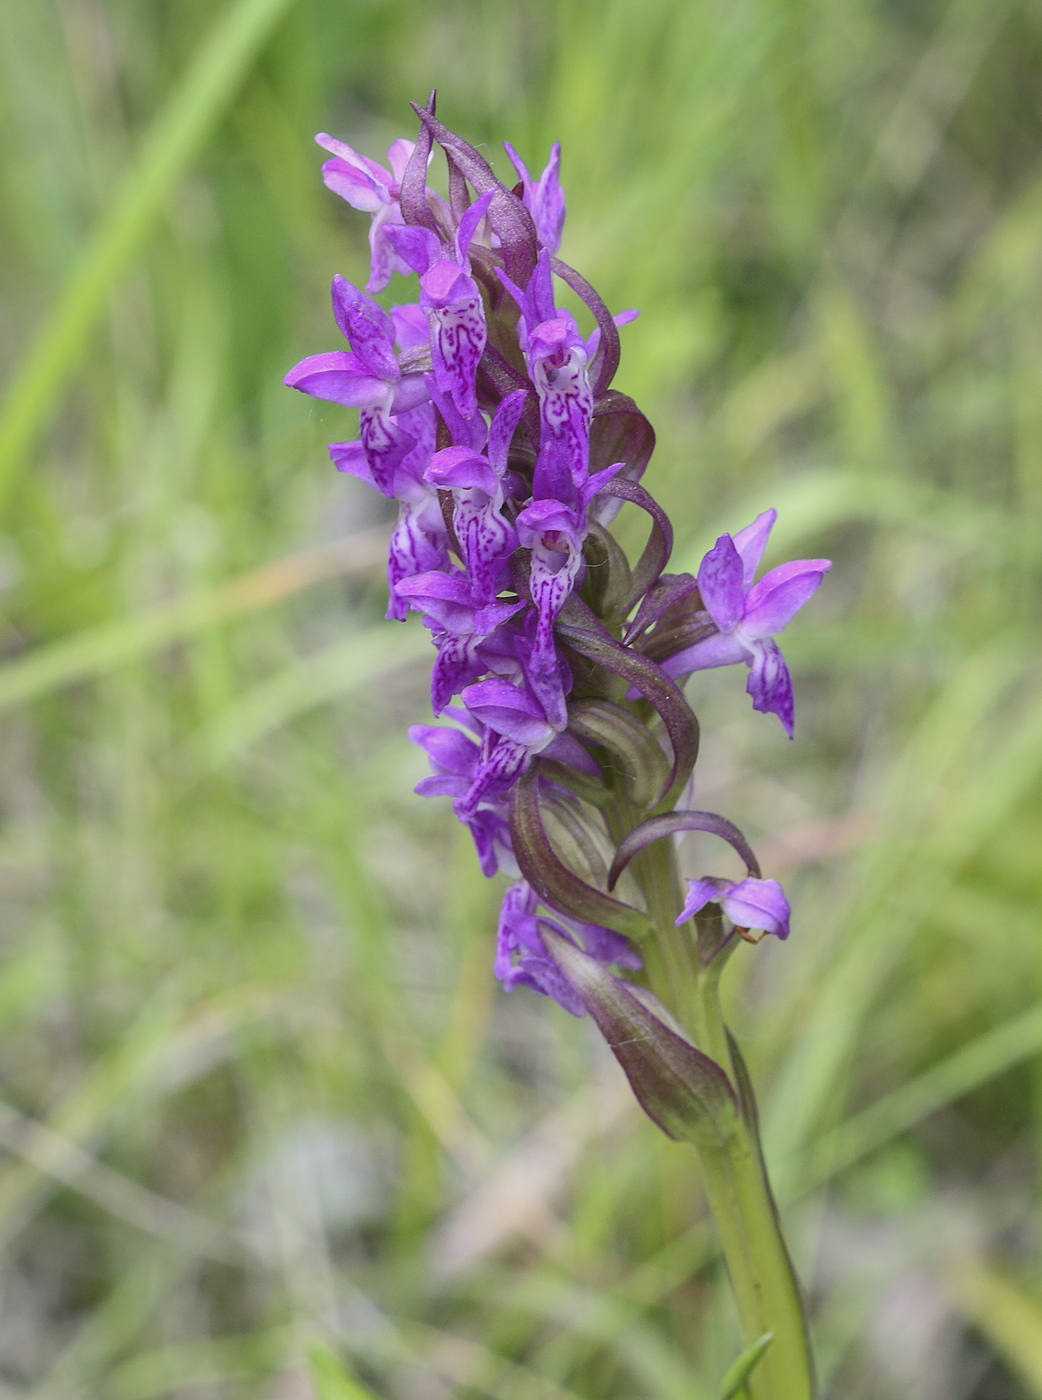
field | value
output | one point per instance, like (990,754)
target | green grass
(263,1099)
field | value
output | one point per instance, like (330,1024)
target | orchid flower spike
(488,416)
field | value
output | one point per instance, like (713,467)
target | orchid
(489,416)
(747,616)
(375,190)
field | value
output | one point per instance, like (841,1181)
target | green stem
(765,1287)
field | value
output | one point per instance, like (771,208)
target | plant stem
(765,1287)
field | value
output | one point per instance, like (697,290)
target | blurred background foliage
(262,1101)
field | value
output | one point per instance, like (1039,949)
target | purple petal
(566,748)
(487,541)
(386,446)
(509,711)
(398,157)
(447,598)
(717,650)
(470,431)
(699,894)
(777,598)
(594,339)
(541,291)
(455,667)
(441,787)
(598,482)
(411,326)
(491,833)
(468,225)
(502,763)
(545,201)
(540,518)
(504,425)
(548,209)
(751,543)
(411,392)
(414,549)
(759,904)
(416,246)
(770,683)
(463,468)
(519,166)
(450,752)
(544,672)
(607,946)
(349,457)
(720,583)
(358,187)
(557,363)
(340,378)
(369,329)
(458,340)
(383,255)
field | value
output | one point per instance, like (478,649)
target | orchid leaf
(733,1386)
(415,209)
(620,433)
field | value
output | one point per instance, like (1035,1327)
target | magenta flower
(452,300)
(749,615)
(749,903)
(455,759)
(419,539)
(557,359)
(504,445)
(376,191)
(461,622)
(486,537)
(368,377)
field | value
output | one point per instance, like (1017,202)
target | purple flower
(522,959)
(480,424)
(455,759)
(452,300)
(461,622)
(368,378)
(748,615)
(369,187)
(557,358)
(749,904)
(419,540)
(545,200)
(515,728)
(485,536)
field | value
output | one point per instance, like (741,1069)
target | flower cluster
(490,419)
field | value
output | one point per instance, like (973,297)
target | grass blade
(177,135)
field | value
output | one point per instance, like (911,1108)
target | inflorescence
(492,422)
